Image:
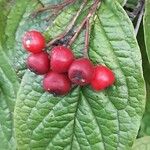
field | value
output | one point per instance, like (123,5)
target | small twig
(87,39)
(39,1)
(90,14)
(56,8)
(135,11)
(139,20)
(50,7)
(70,26)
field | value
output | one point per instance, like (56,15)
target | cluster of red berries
(61,68)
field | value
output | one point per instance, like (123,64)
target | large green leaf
(145,124)
(142,144)
(8,89)
(84,119)
(146,27)
(8,85)
(13,13)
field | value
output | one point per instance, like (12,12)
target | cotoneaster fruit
(81,71)
(61,59)
(38,63)
(33,41)
(103,77)
(57,84)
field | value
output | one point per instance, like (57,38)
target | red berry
(38,63)
(57,84)
(61,59)
(103,77)
(81,71)
(33,41)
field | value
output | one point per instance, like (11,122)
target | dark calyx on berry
(56,84)
(81,71)
(61,59)
(103,77)
(39,63)
(33,41)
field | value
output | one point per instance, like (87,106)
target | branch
(70,26)
(55,8)
(90,14)
(135,11)
(61,5)
(87,39)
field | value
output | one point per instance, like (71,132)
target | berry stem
(87,39)
(92,11)
(55,7)
(70,26)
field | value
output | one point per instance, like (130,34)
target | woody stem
(50,7)
(87,39)
(69,27)
(86,19)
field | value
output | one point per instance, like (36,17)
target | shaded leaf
(147,27)
(132,3)
(145,124)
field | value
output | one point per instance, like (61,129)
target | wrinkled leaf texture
(11,15)
(84,119)
(8,87)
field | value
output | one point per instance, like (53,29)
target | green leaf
(122,2)
(146,27)
(146,65)
(132,3)
(16,23)
(13,20)
(4,7)
(145,124)
(11,16)
(8,90)
(142,144)
(84,119)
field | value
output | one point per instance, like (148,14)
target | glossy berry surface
(61,59)
(38,63)
(57,84)
(81,71)
(103,77)
(33,41)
